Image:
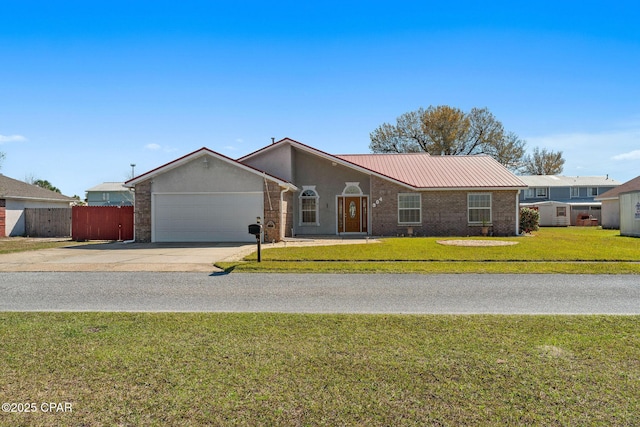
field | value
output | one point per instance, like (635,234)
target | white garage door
(219,217)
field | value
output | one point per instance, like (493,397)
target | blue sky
(87,88)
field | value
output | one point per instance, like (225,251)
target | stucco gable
(205,159)
(414,170)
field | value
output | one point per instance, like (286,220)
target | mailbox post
(256,230)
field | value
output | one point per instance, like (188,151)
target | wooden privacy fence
(47,222)
(102,223)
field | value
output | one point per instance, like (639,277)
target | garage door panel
(219,217)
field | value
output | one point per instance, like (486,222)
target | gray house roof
(109,186)
(632,185)
(13,189)
(568,181)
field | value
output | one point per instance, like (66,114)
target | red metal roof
(421,170)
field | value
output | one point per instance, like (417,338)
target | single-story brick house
(16,196)
(298,190)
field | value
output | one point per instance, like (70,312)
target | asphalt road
(321,293)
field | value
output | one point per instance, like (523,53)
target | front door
(352,214)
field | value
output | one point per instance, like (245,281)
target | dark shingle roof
(632,185)
(13,189)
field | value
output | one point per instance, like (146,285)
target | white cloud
(12,138)
(152,147)
(631,155)
(568,141)
(597,153)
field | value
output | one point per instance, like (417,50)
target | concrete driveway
(117,256)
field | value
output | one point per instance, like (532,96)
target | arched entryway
(353,210)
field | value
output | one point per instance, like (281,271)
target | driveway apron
(129,257)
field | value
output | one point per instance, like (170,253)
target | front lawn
(550,250)
(288,369)
(21,244)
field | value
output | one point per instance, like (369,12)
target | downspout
(133,190)
(283,214)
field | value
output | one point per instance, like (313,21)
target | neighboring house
(630,213)
(298,190)
(110,194)
(566,200)
(611,202)
(16,195)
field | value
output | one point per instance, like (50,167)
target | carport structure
(207,197)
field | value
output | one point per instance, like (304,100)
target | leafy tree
(46,184)
(445,130)
(543,162)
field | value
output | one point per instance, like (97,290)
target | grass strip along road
(551,250)
(293,369)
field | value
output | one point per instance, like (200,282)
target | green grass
(550,250)
(21,244)
(281,369)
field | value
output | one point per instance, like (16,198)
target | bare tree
(405,136)
(543,162)
(445,130)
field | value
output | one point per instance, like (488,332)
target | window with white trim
(409,208)
(537,192)
(309,206)
(561,211)
(352,189)
(593,191)
(479,208)
(575,192)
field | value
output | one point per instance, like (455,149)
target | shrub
(529,220)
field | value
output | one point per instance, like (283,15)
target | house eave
(36,199)
(469,188)
(366,171)
(200,153)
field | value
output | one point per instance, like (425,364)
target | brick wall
(444,213)
(272,222)
(505,214)
(3,218)
(142,212)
